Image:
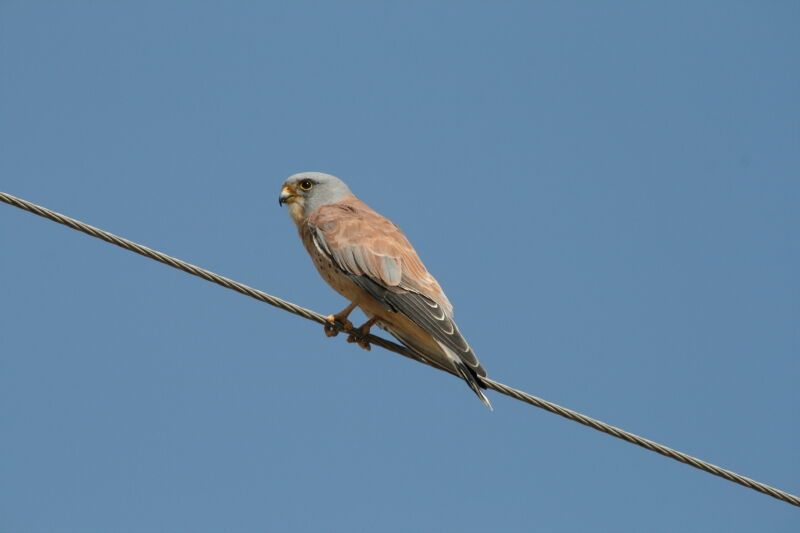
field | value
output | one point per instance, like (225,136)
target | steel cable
(396,348)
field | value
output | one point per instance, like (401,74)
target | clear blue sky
(608,194)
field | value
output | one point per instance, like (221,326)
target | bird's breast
(329,271)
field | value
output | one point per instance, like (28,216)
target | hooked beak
(287,196)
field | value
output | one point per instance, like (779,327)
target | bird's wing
(377,256)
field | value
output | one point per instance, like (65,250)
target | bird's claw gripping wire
(359,334)
(334,325)
(338,322)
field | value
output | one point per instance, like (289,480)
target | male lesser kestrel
(369,261)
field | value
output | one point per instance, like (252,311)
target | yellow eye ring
(306,185)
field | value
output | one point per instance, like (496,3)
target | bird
(369,261)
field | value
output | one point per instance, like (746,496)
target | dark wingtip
(473,383)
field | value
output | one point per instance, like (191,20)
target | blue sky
(608,194)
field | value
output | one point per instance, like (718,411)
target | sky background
(608,194)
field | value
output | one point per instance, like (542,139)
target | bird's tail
(447,355)
(472,380)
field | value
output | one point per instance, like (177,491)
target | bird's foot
(339,321)
(359,334)
(335,324)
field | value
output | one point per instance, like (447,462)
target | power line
(396,348)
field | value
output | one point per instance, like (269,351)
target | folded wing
(377,256)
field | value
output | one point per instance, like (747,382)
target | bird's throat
(297,211)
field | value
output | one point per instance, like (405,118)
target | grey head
(306,191)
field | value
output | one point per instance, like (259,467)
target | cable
(396,348)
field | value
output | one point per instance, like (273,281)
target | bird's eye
(306,185)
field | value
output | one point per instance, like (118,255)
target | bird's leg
(361,332)
(339,319)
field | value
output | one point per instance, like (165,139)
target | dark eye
(306,185)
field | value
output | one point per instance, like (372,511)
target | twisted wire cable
(396,348)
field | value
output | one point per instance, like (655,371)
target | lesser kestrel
(369,261)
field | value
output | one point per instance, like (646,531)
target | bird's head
(306,191)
